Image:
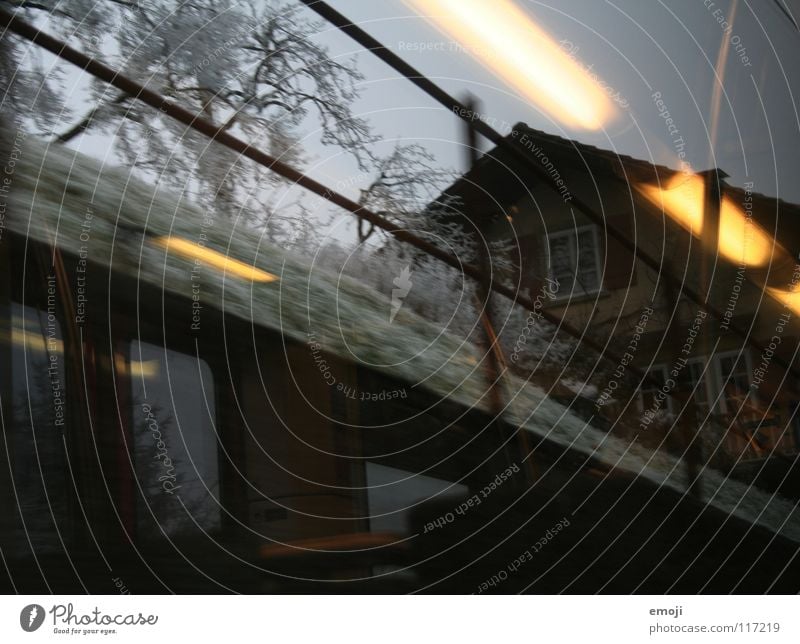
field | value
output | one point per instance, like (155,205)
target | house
(625,242)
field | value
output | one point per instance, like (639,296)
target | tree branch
(84,123)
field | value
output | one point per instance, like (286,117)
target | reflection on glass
(175,443)
(36,434)
(789,298)
(741,240)
(390,495)
(510,44)
(212,258)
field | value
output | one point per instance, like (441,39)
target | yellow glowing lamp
(741,240)
(505,40)
(228,265)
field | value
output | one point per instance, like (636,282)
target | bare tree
(252,67)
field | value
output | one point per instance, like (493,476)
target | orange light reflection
(507,42)
(741,240)
(212,258)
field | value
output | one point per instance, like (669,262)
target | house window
(575,261)
(697,382)
(734,379)
(657,377)
(722,387)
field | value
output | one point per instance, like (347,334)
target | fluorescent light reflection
(505,40)
(33,341)
(136,368)
(741,240)
(37,343)
(228,265)
(790,299)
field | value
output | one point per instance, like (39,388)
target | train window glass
(36,447)
(574,261)
(175,441)
(392,493)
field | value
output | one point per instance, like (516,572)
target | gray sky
(636,48)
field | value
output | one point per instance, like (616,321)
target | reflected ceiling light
(137,368)
(37,342)
(33,341)
(506,41)
(790,299)
(145,369)
(741,240)
(682,199)
(192,250)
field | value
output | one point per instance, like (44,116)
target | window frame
(722,401)
(669,406)
(574,233)
(143,510)
(708,379)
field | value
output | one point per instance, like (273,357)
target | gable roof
(499,178)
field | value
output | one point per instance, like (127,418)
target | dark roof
(499,178)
